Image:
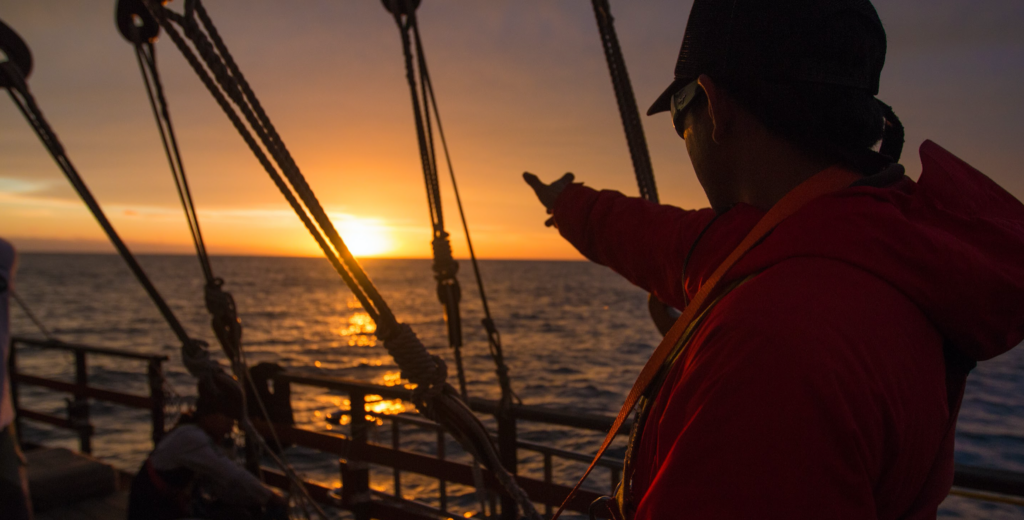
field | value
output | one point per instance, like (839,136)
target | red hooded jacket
(827,385)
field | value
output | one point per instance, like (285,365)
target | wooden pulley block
(403,7)
(135,22)
(16,53)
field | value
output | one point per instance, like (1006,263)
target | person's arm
(192,448)
(644,242)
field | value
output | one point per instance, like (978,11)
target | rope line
(219,303)
(493,336)
(445,267)
(638,152)
(626,101)
(146,56)
(18,89)
(31,315)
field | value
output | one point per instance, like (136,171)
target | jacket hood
(953,243)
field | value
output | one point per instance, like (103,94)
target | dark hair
(829,122)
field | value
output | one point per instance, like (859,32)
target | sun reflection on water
(375,404)
(359,330)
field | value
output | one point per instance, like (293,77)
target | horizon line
(256,255)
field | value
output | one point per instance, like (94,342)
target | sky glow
(521,85)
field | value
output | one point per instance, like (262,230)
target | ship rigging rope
(31,315)
(428,156)
(145,54)
(493,336)
(139,28)
(626,101)
(433,397)
(638,152)
(445,267)
(13,79)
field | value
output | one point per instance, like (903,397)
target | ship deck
(110,507)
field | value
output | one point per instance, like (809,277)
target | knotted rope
(224,317)
(426,371)
(445,267)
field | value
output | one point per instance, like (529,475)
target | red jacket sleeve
(644,242)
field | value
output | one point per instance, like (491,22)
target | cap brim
(665,99)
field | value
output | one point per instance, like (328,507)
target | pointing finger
(532,180)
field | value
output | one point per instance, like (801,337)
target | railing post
(547,479)
(507,440)
(442,485)
(156,394)
(396,443)
(78,408)
(12,371)
(355,474)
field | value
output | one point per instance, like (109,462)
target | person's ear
(719,108)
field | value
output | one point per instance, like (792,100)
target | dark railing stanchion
(355,474)
(442,484)
(12,370)
(547,479)
(154,372)
(396,444)
(78,407)
(507,450)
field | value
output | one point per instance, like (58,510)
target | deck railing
(356,452)
(78,406)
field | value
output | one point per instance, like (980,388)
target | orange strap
(826,181)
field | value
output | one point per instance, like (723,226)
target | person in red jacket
(824,375)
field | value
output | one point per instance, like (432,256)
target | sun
(364,236)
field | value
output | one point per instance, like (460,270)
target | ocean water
(575,336)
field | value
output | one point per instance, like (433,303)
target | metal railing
(356,453)
(78,406)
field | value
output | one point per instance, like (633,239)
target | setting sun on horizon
(365,237)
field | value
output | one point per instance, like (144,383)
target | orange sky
(521,86)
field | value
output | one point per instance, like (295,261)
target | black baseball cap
(838,42)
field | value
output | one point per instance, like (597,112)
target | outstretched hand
(548,193)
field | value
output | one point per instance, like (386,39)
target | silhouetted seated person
(189,474)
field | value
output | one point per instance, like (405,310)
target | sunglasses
(680,101)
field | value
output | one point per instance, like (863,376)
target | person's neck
(769,169)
